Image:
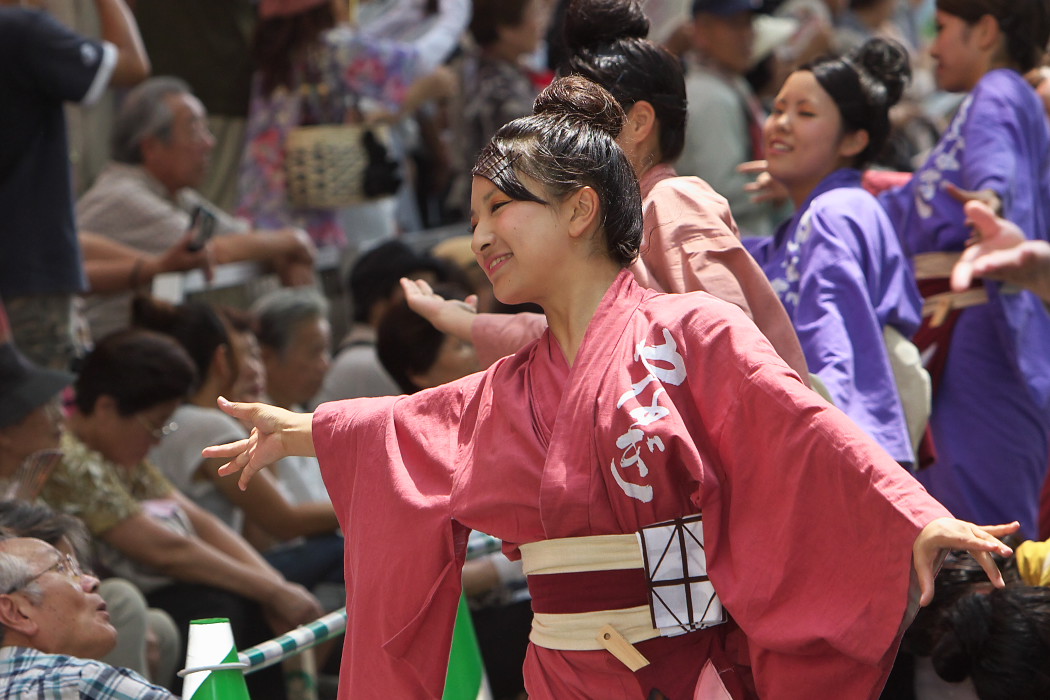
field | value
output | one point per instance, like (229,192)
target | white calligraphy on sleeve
(663,364)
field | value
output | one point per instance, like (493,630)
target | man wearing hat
(30,417)
(724,127)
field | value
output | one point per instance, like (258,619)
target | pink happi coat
(675,404)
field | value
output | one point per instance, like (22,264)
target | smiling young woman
(837,264)
(635,410)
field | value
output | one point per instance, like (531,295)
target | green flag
(466,673)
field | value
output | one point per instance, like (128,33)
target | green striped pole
(213,670)
(279,648)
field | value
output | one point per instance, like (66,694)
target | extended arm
(193,559)
(119,29)
(112,266)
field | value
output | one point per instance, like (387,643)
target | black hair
(376,275)
(864,85)
(999,639)
(140,369)
(488,16)
(195,325)
(606,44)
(960,575)
(1025,24)
(570,143)
(407,343)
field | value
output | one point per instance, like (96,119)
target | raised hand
(450,316)
(276,434)
(945,534)
(764,188)
(1001,251)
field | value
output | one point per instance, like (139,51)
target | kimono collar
(654,175)
(843,177)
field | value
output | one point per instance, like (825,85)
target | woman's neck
(209,392)
(569,313)
(83,429)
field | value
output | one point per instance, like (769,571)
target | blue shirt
(28,673)
(45,65)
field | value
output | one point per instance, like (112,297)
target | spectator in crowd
(145,199)
(497,87)
(986,346)
(1000,640)
(312,66)
(53,623)
(295,339)
(207,44)
(251,372)
(47,64)
(184,559)
(725,118)
(147,639)
(417,355)
(30,413)
(218,355)
(374,287)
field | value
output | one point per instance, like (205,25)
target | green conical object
(213,670)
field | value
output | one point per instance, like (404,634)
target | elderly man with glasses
(53,624)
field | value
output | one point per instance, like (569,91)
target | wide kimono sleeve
(848,289)
(498,335)
(808,524)
(390,465)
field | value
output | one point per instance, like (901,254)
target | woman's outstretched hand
(276,434)
(450,316)
(944,534)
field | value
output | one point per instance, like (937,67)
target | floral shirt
(103,494)
(373,74)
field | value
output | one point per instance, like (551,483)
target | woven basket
(325,165)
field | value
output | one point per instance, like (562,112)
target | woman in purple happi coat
(990,348)
(837,264)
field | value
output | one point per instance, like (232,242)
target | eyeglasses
(66,565)
(157,433)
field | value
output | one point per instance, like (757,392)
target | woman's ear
(641,120)
(585,206)
(988,35)
(854,143)
(221,362)
(105,405)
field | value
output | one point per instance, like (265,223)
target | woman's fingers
(229,450)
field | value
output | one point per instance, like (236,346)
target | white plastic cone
(213,670)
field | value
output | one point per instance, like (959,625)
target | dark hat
(24,387)
(725,7)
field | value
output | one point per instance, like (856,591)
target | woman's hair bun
(887,62)
(595,22)
(576,98)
